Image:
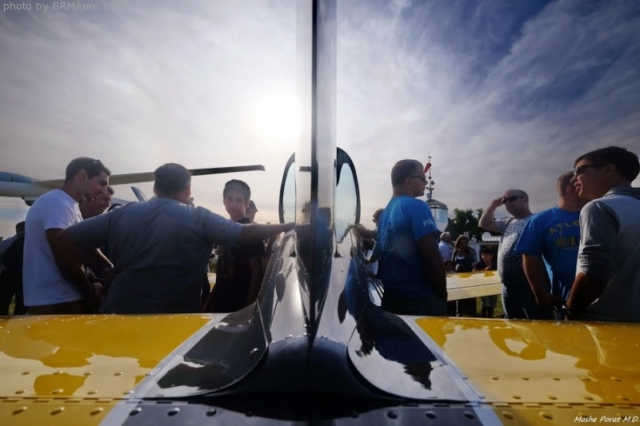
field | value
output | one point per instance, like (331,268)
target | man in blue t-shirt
(553,236)
(410,265)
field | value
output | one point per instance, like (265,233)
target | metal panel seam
(457,375)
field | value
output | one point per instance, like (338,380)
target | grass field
(497,312)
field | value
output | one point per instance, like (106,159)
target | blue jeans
(518,302)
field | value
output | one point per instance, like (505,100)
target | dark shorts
(518,302)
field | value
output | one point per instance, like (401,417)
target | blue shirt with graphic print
(555,235)
(404,221)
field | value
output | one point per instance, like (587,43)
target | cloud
(499,97)
(153,83)
(500,94)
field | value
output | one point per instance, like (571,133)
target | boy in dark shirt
(240,271)
(488,262)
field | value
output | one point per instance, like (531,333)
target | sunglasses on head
(511,199)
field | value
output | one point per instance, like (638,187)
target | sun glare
(276,118)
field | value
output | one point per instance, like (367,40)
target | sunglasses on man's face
(581,169)
(511,199)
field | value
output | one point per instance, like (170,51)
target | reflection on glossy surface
(347,195)
(103,356)
(287,208)
(544,361)
(223,356)
(316,152)
(388,353)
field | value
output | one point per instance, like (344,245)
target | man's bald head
(516,192)
(516,202)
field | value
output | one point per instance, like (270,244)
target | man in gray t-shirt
(518,301)
(159,247)
(607,284)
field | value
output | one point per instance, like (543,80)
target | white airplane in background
(29,189)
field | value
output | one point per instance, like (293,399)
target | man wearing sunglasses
(415,281)
(518,301)
(607,284)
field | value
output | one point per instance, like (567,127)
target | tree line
(466,220)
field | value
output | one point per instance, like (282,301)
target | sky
(500,94)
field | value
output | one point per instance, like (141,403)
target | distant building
(440,213)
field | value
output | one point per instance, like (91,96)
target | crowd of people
(147,257)
(576,260)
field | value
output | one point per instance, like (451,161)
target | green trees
(465,220)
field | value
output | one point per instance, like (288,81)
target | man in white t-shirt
(46,290)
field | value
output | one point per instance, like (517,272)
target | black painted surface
(285,409)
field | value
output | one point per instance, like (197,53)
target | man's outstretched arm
(256,232)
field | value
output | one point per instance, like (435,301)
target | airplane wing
(468,285)
(257,365)
(148,176)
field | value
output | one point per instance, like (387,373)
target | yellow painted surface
(565,414)
(30,412)
(548,371)
(80,363)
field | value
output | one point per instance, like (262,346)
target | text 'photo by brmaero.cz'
(61,6)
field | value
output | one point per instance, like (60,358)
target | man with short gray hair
(411,269)
(445,247)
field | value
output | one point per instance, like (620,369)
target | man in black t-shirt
(240,269)
(11,257)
